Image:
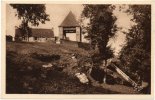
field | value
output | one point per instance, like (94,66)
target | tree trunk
(105,69)
(27,35)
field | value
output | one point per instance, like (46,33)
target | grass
(25,74)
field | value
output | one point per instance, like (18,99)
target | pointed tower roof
(69,21)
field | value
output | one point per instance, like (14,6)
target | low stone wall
(76,44)
(69,43)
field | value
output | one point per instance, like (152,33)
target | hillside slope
(25,74)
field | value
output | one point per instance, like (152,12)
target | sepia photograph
(97,49)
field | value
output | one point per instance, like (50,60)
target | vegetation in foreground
(25,73)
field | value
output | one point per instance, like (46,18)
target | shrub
(9,38)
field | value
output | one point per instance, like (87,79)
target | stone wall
(85,46)
(69,43)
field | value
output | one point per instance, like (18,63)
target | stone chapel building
(70,29)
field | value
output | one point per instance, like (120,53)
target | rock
(82,77)
(47,66)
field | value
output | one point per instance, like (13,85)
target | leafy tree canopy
(101,27)
(30,13)
(136,54)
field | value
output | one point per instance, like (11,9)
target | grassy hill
(25,74)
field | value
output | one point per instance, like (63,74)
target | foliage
(9,38)
(101,27)
(30,13)
(136,54)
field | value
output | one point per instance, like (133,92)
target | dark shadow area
(45,57)
(85,46)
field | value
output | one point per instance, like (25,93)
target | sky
(57,14)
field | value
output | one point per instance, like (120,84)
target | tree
(101,28)
(30,13)
(136,54)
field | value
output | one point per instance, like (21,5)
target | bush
(9,38)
